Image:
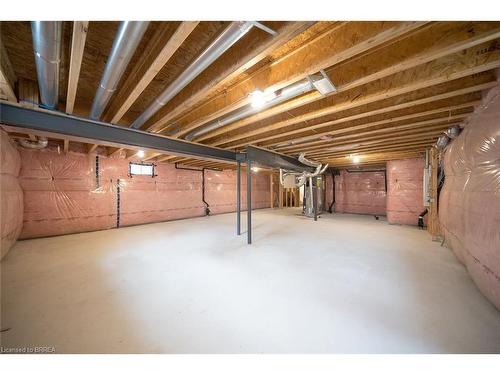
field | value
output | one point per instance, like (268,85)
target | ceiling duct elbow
(38,144)
(125,43)
(453,132)
(221,44)
(47,50)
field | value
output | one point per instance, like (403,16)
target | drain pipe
(47,49)
(126,41)
(221,44)
(207,206)
(280,96)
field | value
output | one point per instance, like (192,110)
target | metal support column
(238,200)
(249,201)
(315,197)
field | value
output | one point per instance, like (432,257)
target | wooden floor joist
(398,86)
(342,43)
(388,61)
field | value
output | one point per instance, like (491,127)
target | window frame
(152,165)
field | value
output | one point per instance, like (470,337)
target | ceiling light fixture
(355,159)
(260,98)
(255,169)
(140,154)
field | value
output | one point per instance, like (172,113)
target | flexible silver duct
(303,160)
(222,43)
(42,142)
(47,49)
(302,177)
(126,41)
(289,92)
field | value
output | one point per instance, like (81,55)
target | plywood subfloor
(345,284)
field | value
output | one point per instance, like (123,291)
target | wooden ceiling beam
(229,66)
(91,148)
(345,162)
(80,29)
(349,145)
(450,120)
(333,47)
(470,87)
(418,48)
(438,114)
(398,145)
(153,59)
(8,77)
(434,73)
(65,145)
(374,156)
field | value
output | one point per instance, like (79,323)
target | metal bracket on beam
(264,28)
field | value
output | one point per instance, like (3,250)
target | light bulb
(258,99)
(140,153)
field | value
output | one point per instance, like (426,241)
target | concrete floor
(345,284)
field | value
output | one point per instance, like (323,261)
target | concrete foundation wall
(63,194)
(405,179)
(469,203)
(360,192)
(11,195)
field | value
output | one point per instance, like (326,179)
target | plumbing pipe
(207,206)
(47,49)
(126,41)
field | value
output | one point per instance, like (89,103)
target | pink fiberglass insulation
(11,195)
(469,203)
(63,195)
(360,192)
(405,180)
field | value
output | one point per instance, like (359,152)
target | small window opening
(141,169)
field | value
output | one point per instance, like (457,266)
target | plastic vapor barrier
(11,195)
(360,192)
(76,193)
(405,179)
(469,203)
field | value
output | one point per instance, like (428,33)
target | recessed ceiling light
(140,154)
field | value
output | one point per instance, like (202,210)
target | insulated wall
(75,192)
(11,195)
(360,192)
(405,201)
(469,203)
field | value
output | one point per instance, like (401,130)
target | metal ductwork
(222,43)
(47,49)
(453,132)
(289,92)
(40,143)
(449,134)
(126,41)
(301,178)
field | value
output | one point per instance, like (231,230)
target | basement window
(141,169)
